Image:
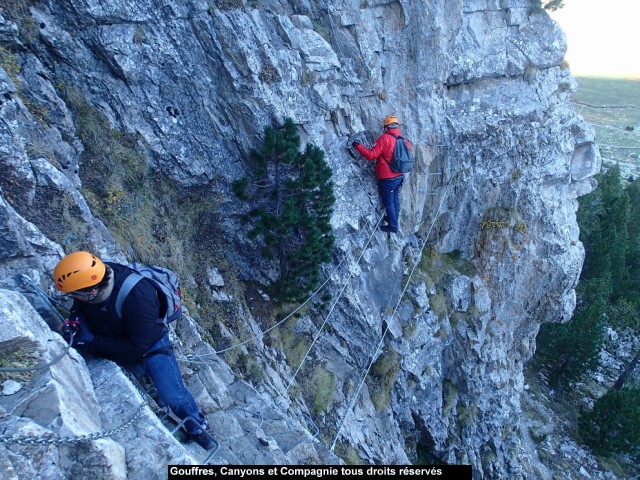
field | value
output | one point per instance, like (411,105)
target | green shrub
(15,356)
(384,373)
(321,386)
(613,425)
(567,350)
(609,220)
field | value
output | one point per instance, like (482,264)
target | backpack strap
(394,145)
(125,289)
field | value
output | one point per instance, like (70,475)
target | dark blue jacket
(125,340)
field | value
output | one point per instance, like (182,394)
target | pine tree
(293,200)
(614,241)
(613,425)
(551,5)
(569,349)
(608,291)
(633,253)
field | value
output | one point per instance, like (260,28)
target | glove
(355,144)
(84,336)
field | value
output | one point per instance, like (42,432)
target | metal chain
(55,439)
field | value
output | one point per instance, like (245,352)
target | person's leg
(385,188)
(163,369)
(161,365)
(396,199)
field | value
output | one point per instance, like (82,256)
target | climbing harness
(70,328)
(54,439)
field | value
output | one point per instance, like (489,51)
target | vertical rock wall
(489,233)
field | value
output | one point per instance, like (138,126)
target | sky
(603,37)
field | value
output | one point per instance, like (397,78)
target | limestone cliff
(123,126)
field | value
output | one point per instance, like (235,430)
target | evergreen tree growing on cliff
(568,350)
(609,288)
(613,425)
(633,254)
(551,5)
(292,198)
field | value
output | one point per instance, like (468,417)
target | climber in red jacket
(389,182)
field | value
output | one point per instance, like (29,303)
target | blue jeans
(164,371)
(389,189)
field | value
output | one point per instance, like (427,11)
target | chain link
(55,439)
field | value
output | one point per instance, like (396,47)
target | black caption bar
(280,472)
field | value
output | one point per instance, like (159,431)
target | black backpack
(401,161)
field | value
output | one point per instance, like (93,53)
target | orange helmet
(391,119)
(78,270)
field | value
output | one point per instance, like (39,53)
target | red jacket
(382,151)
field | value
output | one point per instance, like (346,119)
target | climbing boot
(203,439)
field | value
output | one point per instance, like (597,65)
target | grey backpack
(165,282)
(401,161)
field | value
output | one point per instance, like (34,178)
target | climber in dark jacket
(389,182)
(137,341)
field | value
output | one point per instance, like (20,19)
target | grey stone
(215,279)
(196,84)
(9,387)
(461,293)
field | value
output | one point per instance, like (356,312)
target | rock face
(442,317)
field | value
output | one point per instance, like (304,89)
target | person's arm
(140,312)
(374,152)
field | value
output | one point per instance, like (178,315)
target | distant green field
(617,129)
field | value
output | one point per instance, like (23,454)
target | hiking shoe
(203,439)
(387,228)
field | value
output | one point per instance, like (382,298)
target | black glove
(355,144)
